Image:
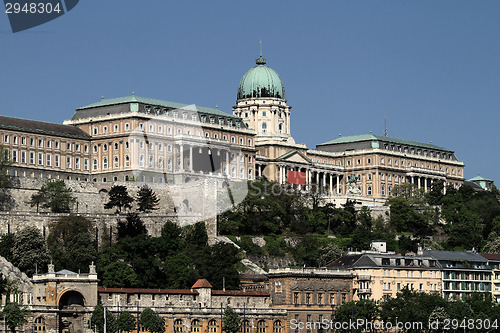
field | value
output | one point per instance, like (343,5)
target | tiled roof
(455,255)
(201,283)
(240,293)
(151,101)
(373,137)
(491,256)
(345,261)
(41,127)
(146,291)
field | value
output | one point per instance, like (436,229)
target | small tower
(261,103)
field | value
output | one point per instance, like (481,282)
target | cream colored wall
(430,279)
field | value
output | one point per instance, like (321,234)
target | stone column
(425,184)
(331,185)
(338,184)
(190,158)
(228,164)
(181,151)
(324,181)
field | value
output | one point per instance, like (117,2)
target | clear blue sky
(432,68)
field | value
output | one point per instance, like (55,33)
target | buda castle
(158,142)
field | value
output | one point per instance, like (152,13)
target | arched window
(178,325)
(160,163)
(169,164)
(40,325)
(105,163)
(369,190)
(233,172)
(212,326)
(280,128)
(277,326)
(245,326)
(127,161)
(151,161)
(383,190)
(95,149)
(94,164)
(250,176)
(115,162)
(261,326)
(141,161)
(104,147)
(242,173)
(264,128)
(195,326)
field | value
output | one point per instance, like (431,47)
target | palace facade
(155,141)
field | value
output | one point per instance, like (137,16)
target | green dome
(261,81)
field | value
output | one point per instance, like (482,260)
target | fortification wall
(89,203)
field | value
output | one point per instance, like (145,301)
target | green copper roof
(479,178)
(151,101)
(261,81)
(372,137)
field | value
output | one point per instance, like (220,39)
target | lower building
(62,302)
(494,263)
(462,273)
(378,274)
(309,296)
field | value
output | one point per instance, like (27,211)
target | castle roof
(41,127)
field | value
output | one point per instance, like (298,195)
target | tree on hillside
(6,200)
(71,243)
(119,198)
(493,244)
(54,195)
(30,251)
(231,322)
(409,212)
(152,321)
(329,253)
(6,246)
(15,315)
(4,164)
(96,322)
(131,227)
(147,199)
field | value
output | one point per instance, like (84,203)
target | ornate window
(278,326)
(245,326)
(212,326)
(195,326)
(178,325)
(39,325)
(264,128)
(261,326)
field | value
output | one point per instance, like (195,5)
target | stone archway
(71,312)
